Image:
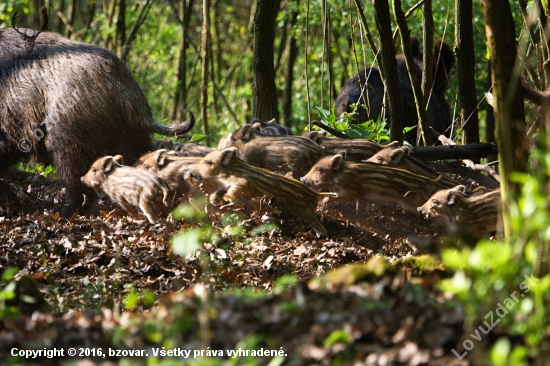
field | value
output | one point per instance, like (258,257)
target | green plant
(7,292)
(497,283)
(371,130)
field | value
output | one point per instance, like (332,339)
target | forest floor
(105,281)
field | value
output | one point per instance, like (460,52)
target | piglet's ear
(118,159)
(107,164)
(392,145)
(453,193)
(160,156)
(397,155)
(227,155)
(336,161)
(246,132)
(313,136)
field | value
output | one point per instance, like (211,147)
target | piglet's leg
(129,208)
(150,212)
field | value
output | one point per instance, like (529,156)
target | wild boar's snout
(193,174)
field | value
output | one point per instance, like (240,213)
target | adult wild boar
(369,82)
(68,103)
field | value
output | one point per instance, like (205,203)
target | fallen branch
(459,152)
(467,162)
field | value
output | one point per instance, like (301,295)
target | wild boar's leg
(150,212)
(129,208)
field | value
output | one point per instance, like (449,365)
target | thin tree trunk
(289,79)
(423,126)
(263,89)
(427,57)
(388,67)
(121,26)
(465,67)
(205,62)
(141,18)
(59,27)
(90,14)
(70,17)
(180,95)
(217,41)
(327,40)
(509,114)
(282,42)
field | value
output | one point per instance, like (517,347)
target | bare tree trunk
(423,126)
(263,89)
(327,40)
(289,79)
(130,39)
(388,67)
(180,94)
(61,8)
(427,57)
(465,66)
(282,43)
(509,114)
(90,14)
(37,4)
(217,41)
(490,118)
(205,62)
(70,17)
(121,27)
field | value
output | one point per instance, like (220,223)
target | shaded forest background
(160,42)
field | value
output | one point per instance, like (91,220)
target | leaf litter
(89,278)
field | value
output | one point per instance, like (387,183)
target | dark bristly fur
(129,187)
(373,90)
(241,180)
(368,181)
(295,154)
(476,215)
(271,128)
(109,113)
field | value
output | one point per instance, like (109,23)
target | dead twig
(467,162)
(330,129)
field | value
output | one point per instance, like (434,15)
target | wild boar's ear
(392,145)
(160,156)
(118,159)
(228,154)
(451,195)
(342,153)
(107,164)
(246,132)
(397,155)
(336,161)
(313,136)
